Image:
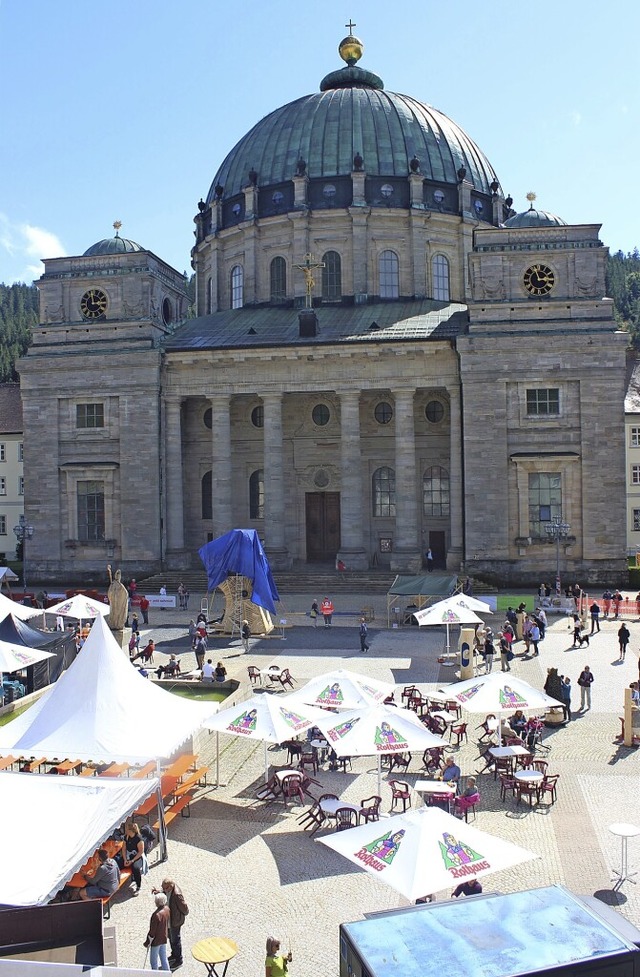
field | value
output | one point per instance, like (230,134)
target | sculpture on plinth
(118,601)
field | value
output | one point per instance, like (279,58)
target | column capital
(348,393)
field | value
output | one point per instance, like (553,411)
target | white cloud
(22,243)
(576,118)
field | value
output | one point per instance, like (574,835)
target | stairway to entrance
(302,579)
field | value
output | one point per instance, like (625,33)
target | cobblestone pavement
(249,871)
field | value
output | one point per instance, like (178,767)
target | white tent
(62,821)
(101,708)
(7,574)
(8,606)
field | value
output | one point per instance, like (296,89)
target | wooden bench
(146,771)
(181,806)
(197,779)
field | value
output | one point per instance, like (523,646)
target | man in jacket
(585,681)
(178,911)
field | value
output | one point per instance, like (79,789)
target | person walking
(276,964)
(505,652)
(535,637)
(623,640)
(158,932)
(314,613)
(245,631)
(364,646)
(594,611)
(429,560)
(326,609)
(585,681)
(178,912)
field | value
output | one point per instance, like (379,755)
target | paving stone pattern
(250,871)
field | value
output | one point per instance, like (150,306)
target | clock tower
(94,371)
(541,356)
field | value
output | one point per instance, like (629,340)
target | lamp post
(24,532)
(557,529)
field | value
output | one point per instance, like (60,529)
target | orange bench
(125,876)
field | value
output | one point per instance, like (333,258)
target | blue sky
(124,110)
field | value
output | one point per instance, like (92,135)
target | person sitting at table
(220,673)
(451,772)
(104,881)
(147,652)
(134,854)
(208,671)
(469,888)
(170,669)
(518,722)
(471,787)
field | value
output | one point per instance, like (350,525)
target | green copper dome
(535,218)
(352,116)
(113,245)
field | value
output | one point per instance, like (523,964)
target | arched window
(207,499)
(209,299)
(237,287)
(389,275)
(384,492)
(256,494)
(435,492)
(278,280)
(440,276)
(331,276)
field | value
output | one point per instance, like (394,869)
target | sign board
(157,600)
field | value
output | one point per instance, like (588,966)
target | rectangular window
(89,415)
(635,437)
(635,474)
(545,501)
(90,511)
(636,520)
(20,484)
(3,525)
(3,451)
(20,451)
(3,485)
(543,402)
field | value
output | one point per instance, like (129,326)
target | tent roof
(101,708)
(18,632)
(6,573)
(93,806)
(240,551)
(428,584)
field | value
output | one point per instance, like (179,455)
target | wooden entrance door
(438,548)
(323,526)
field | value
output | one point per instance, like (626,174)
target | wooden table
(7,761)
(181,766)
(66,766)
(213,952)
(115,770)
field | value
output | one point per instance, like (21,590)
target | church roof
(352,115)
(10,409)
(535,218)
(113,245)
(259,327)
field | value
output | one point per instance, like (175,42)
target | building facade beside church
(386,356)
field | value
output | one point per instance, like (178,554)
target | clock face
(93,304)
(539,280)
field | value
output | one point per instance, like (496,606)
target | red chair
(286,678)
(408,691)
(399,760)
(313,818)
(548,786)
(463,805)
(540,765)
(460,732)
(292,787)
(452,705)
(488,725)
(294,750)
(254,674)
(308,758)
(400,791)
(370,808)
(433,758)
(346,817)
(527,789)
(507,783)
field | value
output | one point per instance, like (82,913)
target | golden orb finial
(531,196)
(116,226)
(350,48)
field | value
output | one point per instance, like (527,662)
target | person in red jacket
(158,934)
(326,609)
(144,607)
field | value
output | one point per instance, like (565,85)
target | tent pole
(379,775)
(217,758)
(162,828)
(266,763)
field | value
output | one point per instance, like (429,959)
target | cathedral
(387,356)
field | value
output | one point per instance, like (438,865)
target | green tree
(18,316)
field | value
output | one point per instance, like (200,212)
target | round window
(386,190)
(321,479)
(321,415)
(237,209)
(257,416)
(383,412)
(167,312)
(438,196)
(207,418)
(277,198)
(329,190)
(479,206)
(434,411)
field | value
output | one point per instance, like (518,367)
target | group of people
(518,624)
(559,687)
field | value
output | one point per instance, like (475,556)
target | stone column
(406,555)
(173,485)
(274,487)
(455,551)
(352,550)
(221,464)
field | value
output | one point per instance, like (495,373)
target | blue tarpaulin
(240,551)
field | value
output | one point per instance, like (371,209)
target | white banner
(157,600)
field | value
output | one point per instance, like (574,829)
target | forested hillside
(19,309)
(18,314)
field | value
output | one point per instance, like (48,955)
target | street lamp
(557,529)
(24,532)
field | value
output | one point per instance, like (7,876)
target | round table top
(532,775)
(281,774)
(215,949)
(624,830)
(330,805)
(319,744)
